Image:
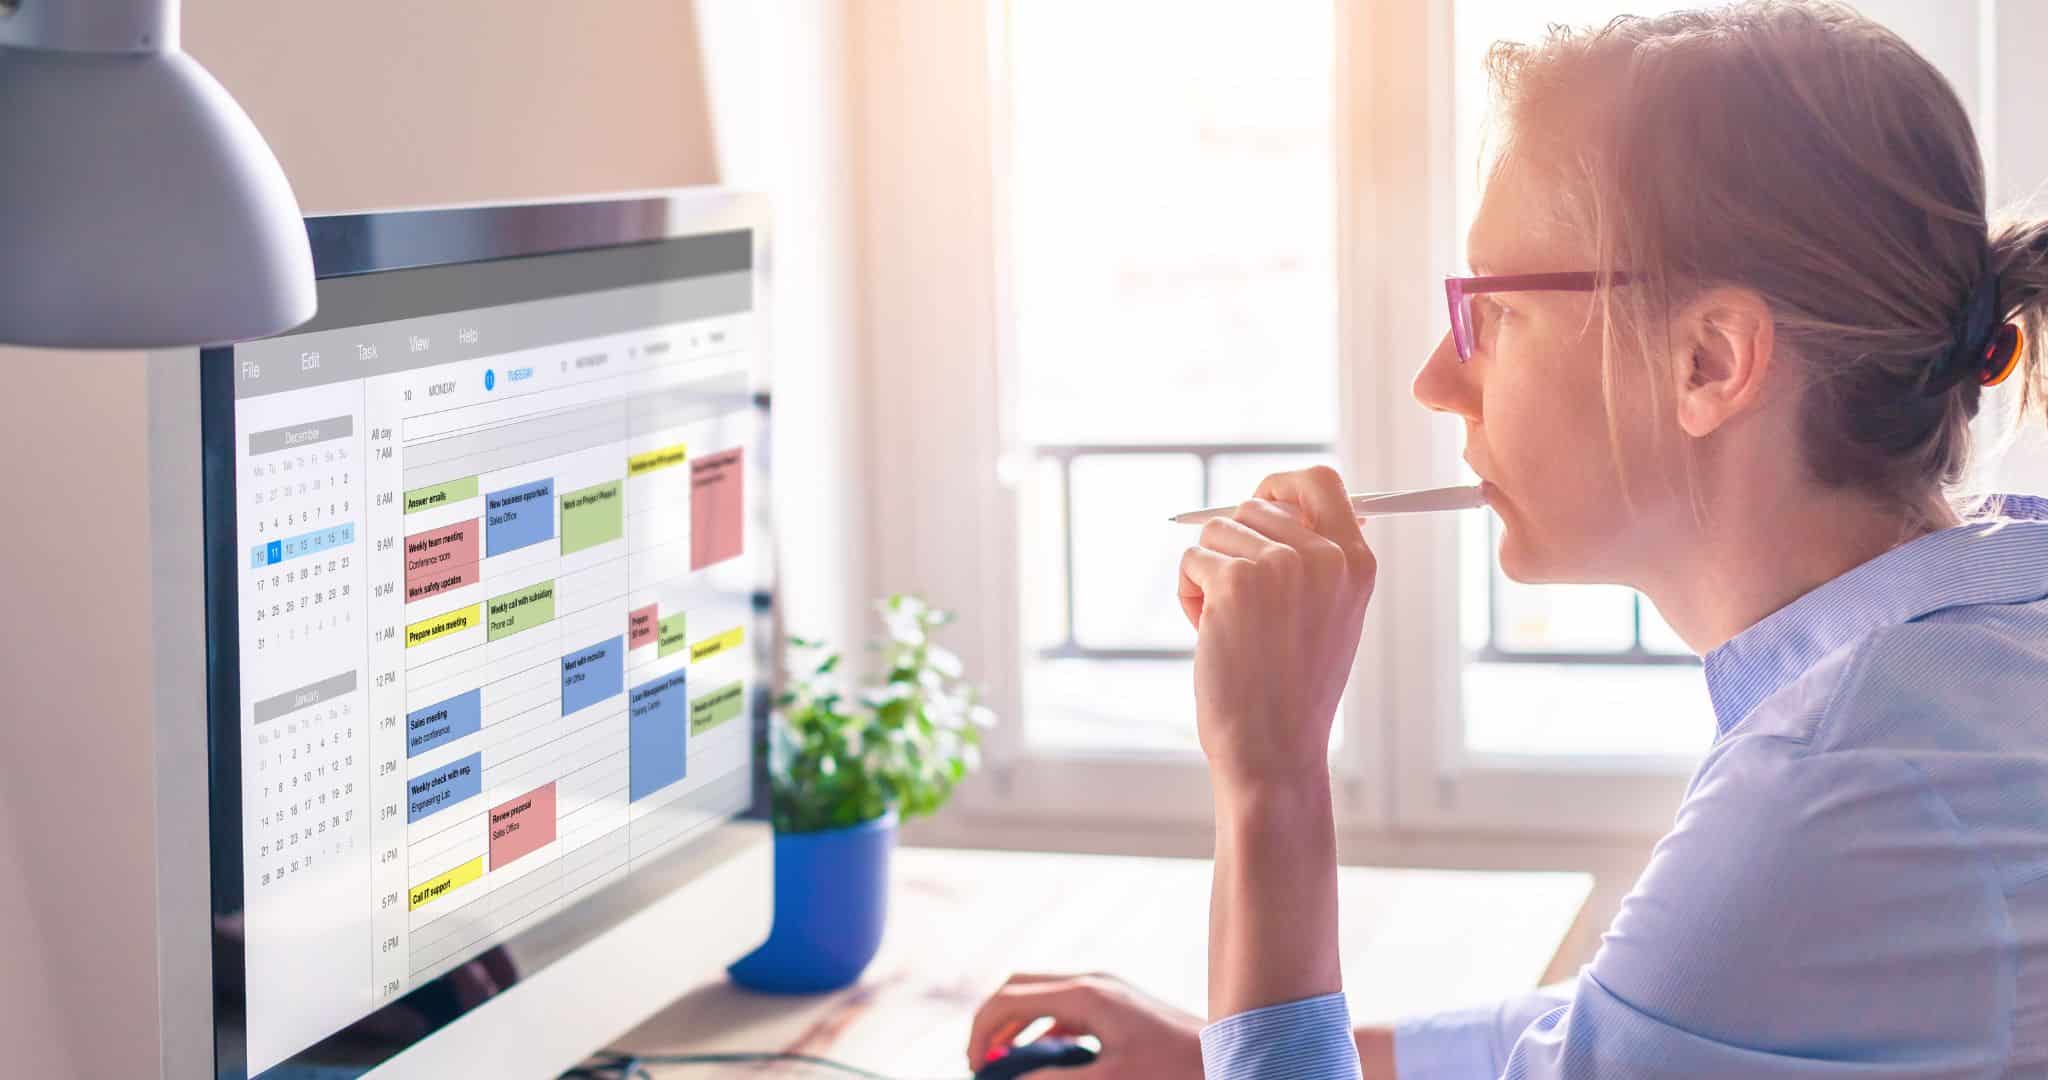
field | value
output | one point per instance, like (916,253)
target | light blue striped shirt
(1856,885)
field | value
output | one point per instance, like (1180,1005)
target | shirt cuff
(1455,1045)
(1308,1039)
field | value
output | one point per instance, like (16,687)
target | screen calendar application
(493,618)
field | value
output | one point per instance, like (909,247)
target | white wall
(379,103)
(1989,51)
(26,1013)
(780,98)
(75,673)
(2019,87)
(29,1009)
(373,104)
(2016,152)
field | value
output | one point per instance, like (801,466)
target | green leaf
(839,758)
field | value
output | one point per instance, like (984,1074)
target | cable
(619,1065)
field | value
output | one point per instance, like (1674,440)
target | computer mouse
(1049,1053)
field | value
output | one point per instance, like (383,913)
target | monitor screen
(484,571)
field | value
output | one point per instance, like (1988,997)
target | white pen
(1374,504)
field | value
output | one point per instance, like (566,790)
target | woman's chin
(1519,561)
(1513,566)
(1524,558)
(1536,564)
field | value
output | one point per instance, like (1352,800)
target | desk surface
(960,921)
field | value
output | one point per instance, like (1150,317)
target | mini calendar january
(304,782)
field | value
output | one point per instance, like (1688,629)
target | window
(1204,246)
(1170,189)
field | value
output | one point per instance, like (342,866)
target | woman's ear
(1726,347)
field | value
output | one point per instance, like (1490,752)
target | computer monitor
(487,622)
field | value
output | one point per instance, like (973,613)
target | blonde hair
(1802,151)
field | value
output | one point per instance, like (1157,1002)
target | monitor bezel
(353,244)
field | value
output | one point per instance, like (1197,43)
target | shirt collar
(2002,560)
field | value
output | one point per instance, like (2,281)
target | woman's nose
(1446,385)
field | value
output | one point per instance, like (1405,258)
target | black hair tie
(1985,346)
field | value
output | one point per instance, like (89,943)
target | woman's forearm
(1273,908)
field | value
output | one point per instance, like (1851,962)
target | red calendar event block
(523,825)
(643,625)
(419,587)
(717,509)
(439,554)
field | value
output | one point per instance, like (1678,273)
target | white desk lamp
(139,207)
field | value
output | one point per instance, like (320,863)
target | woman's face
(1536,424)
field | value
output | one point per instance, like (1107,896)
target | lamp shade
(139,207)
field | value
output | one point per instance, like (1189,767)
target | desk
(960,921)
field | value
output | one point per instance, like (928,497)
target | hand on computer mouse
(1140,1035)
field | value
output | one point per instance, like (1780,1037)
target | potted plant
(843,773)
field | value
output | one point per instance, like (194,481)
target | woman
(1772,306)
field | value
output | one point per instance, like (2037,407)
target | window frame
(931,110)
(1154,788)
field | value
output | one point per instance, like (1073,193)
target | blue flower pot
(831,901)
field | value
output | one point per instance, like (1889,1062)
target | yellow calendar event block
(656,459)
(436,888)
(453,622)
(712,646)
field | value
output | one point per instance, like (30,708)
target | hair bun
(1984,346)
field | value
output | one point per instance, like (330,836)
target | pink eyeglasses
(1459,291)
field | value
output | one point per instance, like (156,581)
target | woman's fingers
(1283,525)
(1231,536)
(1282,522)
(1255,530)
(1141,1037)
(1070,1002)
(1200,570)
(1320,494)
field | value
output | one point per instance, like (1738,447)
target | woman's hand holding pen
(1277,594)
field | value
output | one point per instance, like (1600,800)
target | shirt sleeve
(1470,1044)
(1301,1040)
(1810,917)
